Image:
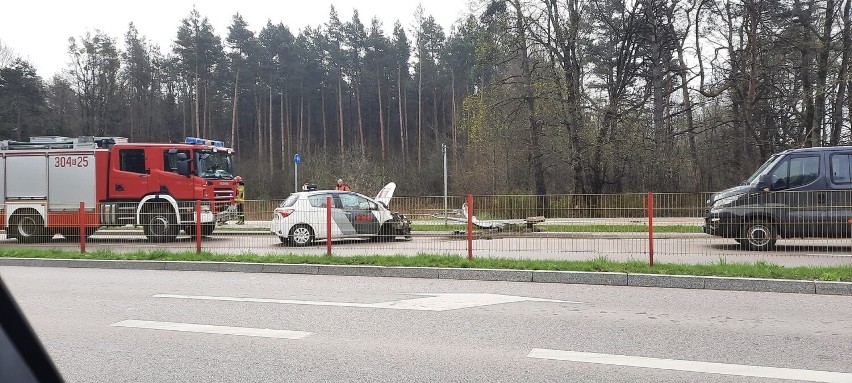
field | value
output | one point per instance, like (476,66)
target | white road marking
(433,302)
(693,366)
(210,329)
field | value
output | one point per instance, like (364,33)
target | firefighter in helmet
(239,199)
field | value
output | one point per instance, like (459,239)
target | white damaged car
(301,218)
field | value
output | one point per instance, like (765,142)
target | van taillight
(285,212)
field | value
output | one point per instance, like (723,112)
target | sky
(38,31)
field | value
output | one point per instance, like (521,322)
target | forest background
(529,96)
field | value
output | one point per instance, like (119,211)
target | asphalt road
(675,248)
(108,326)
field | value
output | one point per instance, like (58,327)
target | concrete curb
(486,274)
(581,278)
(668,281)
(565,277)
(833,288)
(758,284)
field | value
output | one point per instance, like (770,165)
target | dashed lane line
(693,366)
(210,329)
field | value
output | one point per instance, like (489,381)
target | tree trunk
(271,164)
(381,115)
(195,116)
(206,112)
(837,115)
(301,141)
(340,108)
(534,126)
(453,117)
(690,124)
(401,116)
(324,123)
(258,123)
(284,156)
(308,126)
(435,126)
(130,110)
(812,137)
(822,68)
(360,119)
(419,108)
(234,111)
(289,114)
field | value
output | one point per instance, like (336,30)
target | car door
(798,198)
(130,176)
(359,210)
(839,195)
(340,224)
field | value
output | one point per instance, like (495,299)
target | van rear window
(840,171)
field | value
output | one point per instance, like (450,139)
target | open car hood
(386,194)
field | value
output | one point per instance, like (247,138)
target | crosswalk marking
(693,366)
(210,329)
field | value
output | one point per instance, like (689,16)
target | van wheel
(758,236)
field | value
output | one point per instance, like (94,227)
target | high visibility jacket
(241,194)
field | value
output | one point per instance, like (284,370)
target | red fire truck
(43,182)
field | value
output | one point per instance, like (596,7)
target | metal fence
(552,227)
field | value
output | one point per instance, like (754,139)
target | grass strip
(721,268)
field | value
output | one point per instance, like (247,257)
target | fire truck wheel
(159,223)
(27,228)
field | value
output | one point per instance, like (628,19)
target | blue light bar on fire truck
(201,141)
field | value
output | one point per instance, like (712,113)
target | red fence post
(82,221)
(197,226)
(470,227)
(328,225)
(651,229)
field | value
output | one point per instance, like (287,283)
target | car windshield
(214,164)
(752,180)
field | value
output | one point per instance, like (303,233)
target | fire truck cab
(43,183)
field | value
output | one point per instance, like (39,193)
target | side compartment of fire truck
(41,193)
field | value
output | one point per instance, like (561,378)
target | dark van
(799,193)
